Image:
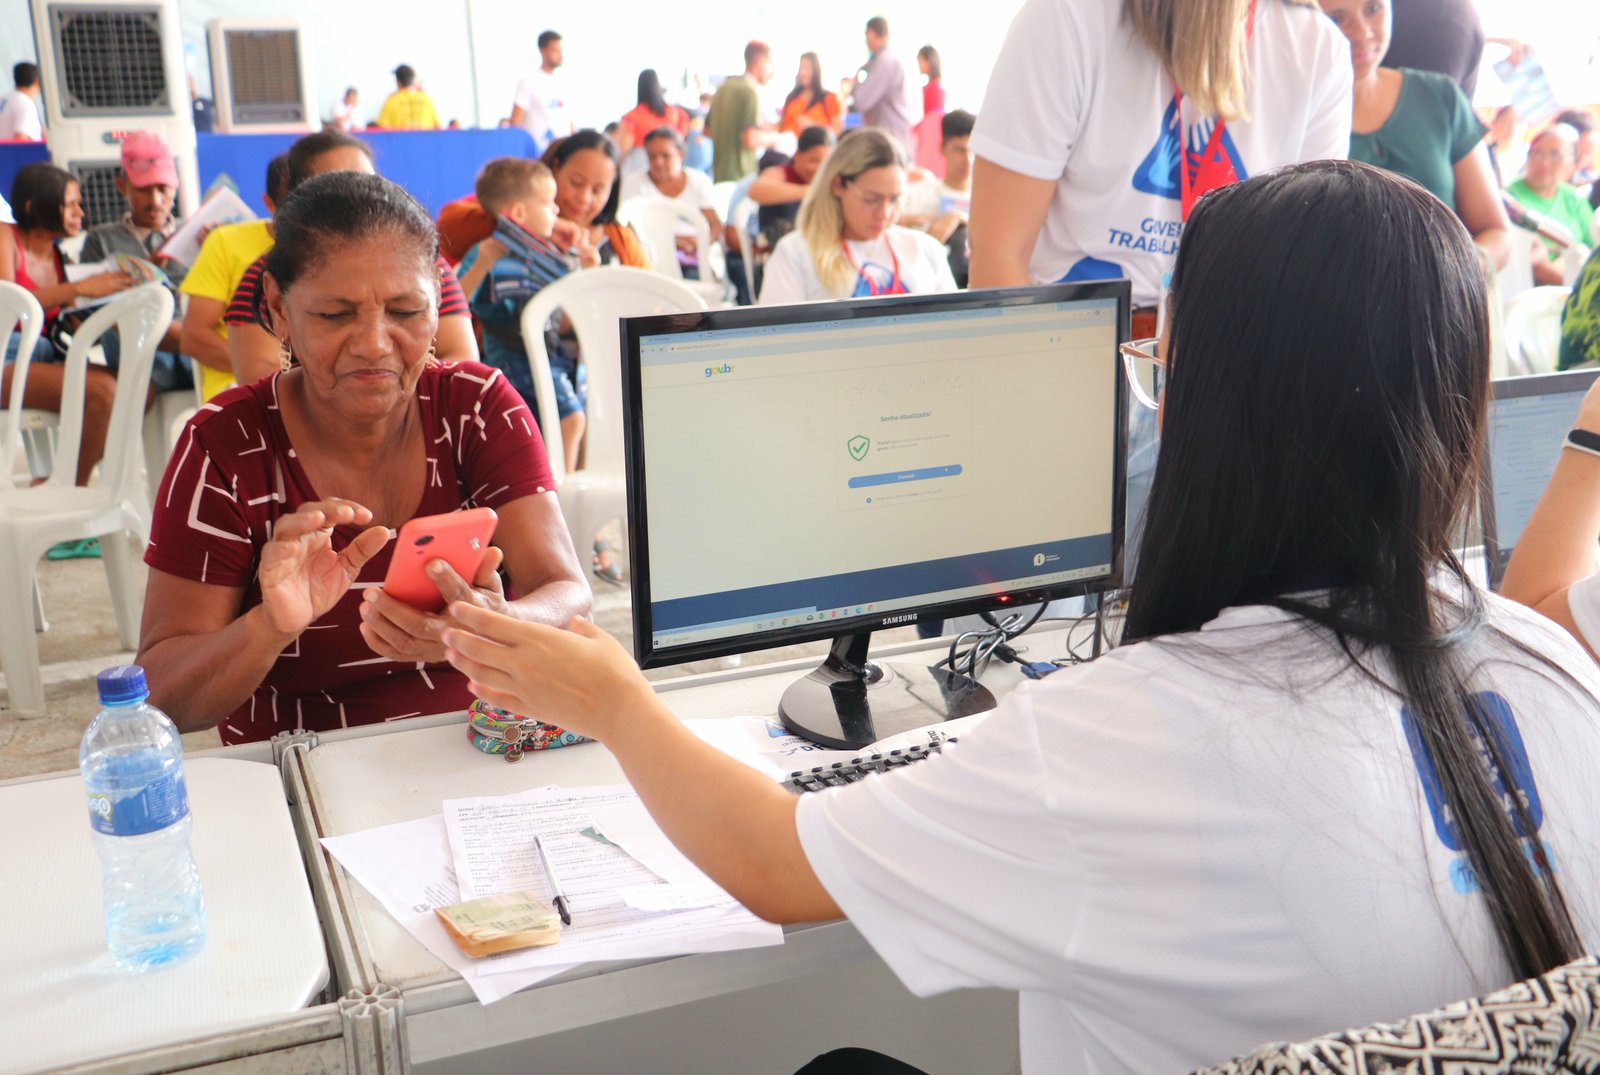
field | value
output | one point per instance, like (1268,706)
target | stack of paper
(631,893)
(138,270)
(222,206)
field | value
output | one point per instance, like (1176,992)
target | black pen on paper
(555,885)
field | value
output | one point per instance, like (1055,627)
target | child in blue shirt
(500,280)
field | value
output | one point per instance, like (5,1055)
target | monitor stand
(849,703)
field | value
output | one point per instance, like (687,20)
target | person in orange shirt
(651,113)
(808,104)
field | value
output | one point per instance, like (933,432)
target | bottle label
(162,802)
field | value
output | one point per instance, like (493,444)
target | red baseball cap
(147,161)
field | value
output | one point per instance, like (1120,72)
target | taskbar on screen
(787,619)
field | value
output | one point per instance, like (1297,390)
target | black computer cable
(970,651)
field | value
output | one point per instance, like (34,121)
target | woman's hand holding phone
(433,557)
(300,575)
(402,633)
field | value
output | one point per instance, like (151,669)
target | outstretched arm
(533,542)
(735,824)
(1557,548)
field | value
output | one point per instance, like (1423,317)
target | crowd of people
(1309,677)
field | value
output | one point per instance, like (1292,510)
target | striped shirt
(249,307)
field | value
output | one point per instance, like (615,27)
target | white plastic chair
(1517,276)
(116,509)
(722,194)
(34,431)
(739,220)
(595,300)
(1533,330)
(1573,258)
(20,313)
(658,221)
(163,425)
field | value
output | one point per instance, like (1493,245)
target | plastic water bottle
(132,764)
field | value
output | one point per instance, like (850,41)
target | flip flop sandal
(612,572)
(82,549)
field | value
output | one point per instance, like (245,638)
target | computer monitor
(823,470)
(1528,419)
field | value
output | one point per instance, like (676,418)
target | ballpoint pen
(555,885)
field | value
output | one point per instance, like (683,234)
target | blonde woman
(846,243)
(1078,171)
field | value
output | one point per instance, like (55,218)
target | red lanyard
(895,286)
(1215,168)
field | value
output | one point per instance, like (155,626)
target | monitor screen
(1528,419)
(822,470)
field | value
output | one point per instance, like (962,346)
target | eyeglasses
(874,202)
(1145,369)
(1547,154)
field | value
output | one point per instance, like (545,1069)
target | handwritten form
(604,883)
(621,908)
(407,869)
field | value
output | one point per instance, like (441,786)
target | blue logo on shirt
(1158,173)
(1093,269)
(1502,726)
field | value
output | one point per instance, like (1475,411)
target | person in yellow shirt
(408,108)
(224,256)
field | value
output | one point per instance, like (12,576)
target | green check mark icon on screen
(858,446)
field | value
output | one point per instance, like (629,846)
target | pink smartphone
(459,538)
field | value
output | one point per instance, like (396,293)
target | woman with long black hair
(808,104)
(650,114)
(1324,782)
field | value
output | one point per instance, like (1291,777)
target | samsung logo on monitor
(907,618)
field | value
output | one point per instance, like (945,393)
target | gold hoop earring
(433,352)
(285,356)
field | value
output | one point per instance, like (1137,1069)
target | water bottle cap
(122,685)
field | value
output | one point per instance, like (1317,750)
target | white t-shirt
(929,199)
(1583,600)
(542,97)
(1183,851)
(696,193)
(1075,97)
(924,266)
(19,118)
(346,117)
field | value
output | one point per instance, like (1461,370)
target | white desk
(765,1010)
(62,1001)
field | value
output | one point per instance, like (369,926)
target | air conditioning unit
(261,76)
(109,67)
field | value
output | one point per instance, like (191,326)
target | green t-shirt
(734,110)
(1580,318)
(1431,128)
(1567,208)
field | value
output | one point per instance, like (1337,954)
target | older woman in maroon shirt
(275,520)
